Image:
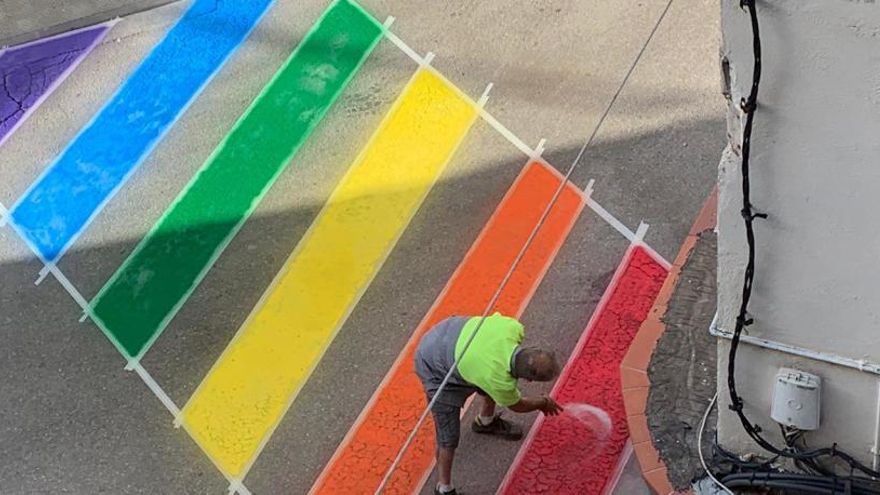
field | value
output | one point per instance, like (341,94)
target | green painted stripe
(147,290)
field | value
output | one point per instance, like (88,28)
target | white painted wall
(816,171)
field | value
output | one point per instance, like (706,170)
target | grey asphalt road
(26,20)
(73,421)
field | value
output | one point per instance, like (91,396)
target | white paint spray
(582,432)
(597,420)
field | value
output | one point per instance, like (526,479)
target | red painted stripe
(370,447)
(570,454)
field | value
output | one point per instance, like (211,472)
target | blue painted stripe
(60,204)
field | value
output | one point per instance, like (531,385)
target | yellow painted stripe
(244,396)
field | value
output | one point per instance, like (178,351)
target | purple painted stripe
(30,72)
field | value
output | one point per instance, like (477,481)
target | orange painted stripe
(373,442)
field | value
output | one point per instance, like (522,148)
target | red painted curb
(633,369)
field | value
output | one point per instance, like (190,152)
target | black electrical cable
(733,459)
(794,487)
(791,437)
(802,482)
(762,474)
(806,478)
(743,320)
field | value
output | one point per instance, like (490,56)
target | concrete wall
(816,172)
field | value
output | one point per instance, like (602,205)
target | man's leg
(447,427)
(487,409)
(487,423)
(445,456)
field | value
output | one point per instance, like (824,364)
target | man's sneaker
(438,492)
(498,427)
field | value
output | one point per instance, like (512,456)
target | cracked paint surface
(563,454)
(29,72)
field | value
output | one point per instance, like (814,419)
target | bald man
(491,367)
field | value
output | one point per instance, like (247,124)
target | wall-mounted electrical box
(796,399)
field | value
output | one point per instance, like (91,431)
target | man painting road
(491,367)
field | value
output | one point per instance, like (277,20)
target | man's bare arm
(544,404)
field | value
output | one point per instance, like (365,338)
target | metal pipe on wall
(858,364)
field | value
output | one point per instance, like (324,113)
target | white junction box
(796,399)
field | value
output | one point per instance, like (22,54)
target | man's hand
(550,407)
(544,404)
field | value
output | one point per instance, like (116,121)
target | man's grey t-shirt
(435,356)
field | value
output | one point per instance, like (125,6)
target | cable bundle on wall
(817,479)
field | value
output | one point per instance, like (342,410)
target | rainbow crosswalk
(143,295)
(70,192)
(373,442)
(240,401)
(259,374)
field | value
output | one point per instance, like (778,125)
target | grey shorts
(434,356)
(447,425)
(447,421)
